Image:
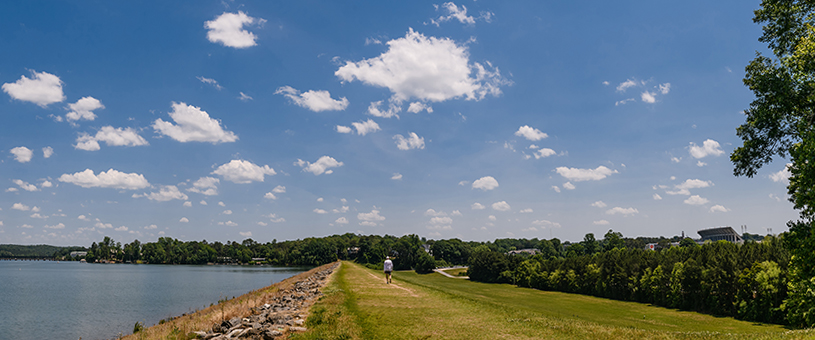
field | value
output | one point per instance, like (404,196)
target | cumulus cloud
(321,166)
(313,100)
(111,136)
(56,226)
(83,109)
(212,82)
(599,204)
(696,200)
(718,208)
(545,224)
(648,97)
(485,183)
(20,207)
(392,110)
(341,220)
(245,97)
(363,128)
(106,179)
(526,211)
(227,29)
(478,206)
(417,107)
(579,175)
(543,153)
(622,211)
(626,85)
(187,204)
(42,89)
(25,185)
(370,219)
(166,193)
(556,188)
(684,187)
(501,206)
(343,129)
(783,175)
(425,68)
(709,148)
(193,125)
(47,152)
(412,142)
(242,172)
(343,209)
(227,212)
(270,196)
(205,185)
(22,154)
(182,220)
(600,222)
(320,211)
(460,14)
(433,212)
(530,133)
(396,176)
(568,186)
(657,197)
(279,189)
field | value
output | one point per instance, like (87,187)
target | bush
(425,263)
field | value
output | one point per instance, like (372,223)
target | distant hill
(35,251)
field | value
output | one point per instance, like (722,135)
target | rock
(299,322)
(234,332)
(271,334)
(200,334)
(297,329)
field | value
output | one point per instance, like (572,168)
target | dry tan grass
(237,307)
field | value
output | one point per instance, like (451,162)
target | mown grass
(359,305)
(456,271)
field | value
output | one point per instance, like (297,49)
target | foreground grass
(359,305)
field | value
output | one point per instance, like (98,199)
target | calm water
(69,300)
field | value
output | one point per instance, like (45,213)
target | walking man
(388,269)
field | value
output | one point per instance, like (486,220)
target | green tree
(781,122)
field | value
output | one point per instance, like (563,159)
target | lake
(69,300)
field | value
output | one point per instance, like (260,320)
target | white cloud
(456,213)
(153,226)
(684,187)
(83,218)
(187,204)
(313,100)
(568,186)
(262,224)
(460,14)
(676,159)
(783,175)
(27,226)
(47,152)
(320,199)
(426,68)
(321,166)
(205,185)
(101,225)
(245,233)
(664,88)
(530,133)
(227,212)
(485,183)
(193,125)
(222,204)
(279,189)
(718,208)
(599,204)
(41,89)
(270,196)
(363,128)
(12,189)
(657,197)
(56,226)
(625,85)
(416,107)
(343,129)
(441,220)
(368,224)
(412,142)
(501,206)
(555,188)
(396,176)
(579,175)
(320,211)
(696,200)
(545,224)
(22,154)
(543,153)
(166,193)
(228,224)
(623,102)
(342,210)
(372,216)
(111,136)
(245,97)
(709,148)
(20,207)
(341,220)
(526,211)
(274,219)
(122,228)
(35,209)
(242,172)
(622,211)
(700,164)
(212,82)
(478,206)
(600,222)
(83,109)
(463,183)
(106,179)
(25,185)
(392,110)
(492,218)
(182,220)
(433,212)
(648,97)
(202,202)
(227,29)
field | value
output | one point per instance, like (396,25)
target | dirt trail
(379,279)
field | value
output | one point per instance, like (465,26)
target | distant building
(530,251)
(720,234)
(78,253)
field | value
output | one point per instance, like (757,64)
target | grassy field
(456,271)
(359,305)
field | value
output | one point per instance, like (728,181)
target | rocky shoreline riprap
(286,312)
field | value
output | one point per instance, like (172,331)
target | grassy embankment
(182,327)
(359,305)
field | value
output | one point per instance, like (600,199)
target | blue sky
(224,120)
